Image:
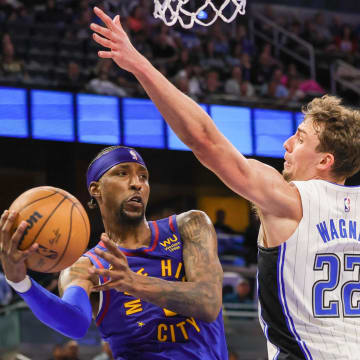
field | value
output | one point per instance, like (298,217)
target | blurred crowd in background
(49,44)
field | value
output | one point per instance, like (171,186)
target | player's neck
(331,179)
(130,236)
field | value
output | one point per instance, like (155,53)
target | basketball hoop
(171,11)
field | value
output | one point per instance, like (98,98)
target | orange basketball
(57,222)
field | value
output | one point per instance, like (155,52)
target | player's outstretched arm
(199,297)
(70,315)
(190,122)
(249,178)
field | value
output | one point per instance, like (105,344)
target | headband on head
(105,162)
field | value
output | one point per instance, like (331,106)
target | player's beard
(287,176)
(129,220)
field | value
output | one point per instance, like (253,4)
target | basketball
(57,222)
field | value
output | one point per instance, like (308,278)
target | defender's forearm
(189,121)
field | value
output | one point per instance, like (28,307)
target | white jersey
(309,287)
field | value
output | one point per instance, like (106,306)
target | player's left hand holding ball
(121,277)
(13,259)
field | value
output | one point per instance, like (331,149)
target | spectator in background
(190,39)
(19,17)
(309,33)
(298,86)
(106,352)
(246,67)
(242,38)
(322,30)
(182,83)
(83,22)
(50,14)
(5,10)
(220,225)
(11,68)
(213,85)
(219,37)
(136,21)
(265,65)
(233,355)
(143,45)
(73,79)
(209,57)
(293,86)
(58,353)
(242,293)
(345,42)
(316,34)
(172,36)
(295,29)
(234,58)
(102,84)
(250,238)
(71,349)
(184,59)
(164,49)
(193,75)
(268,12)
(5,291)
(275,89)
(336,26)
(237,86)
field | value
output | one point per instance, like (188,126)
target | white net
(171,11)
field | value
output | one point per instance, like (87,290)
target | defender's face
(301,158)
(125,191)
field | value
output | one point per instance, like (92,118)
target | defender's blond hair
(338,129)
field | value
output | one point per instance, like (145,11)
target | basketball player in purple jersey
(309,243)
(154,288)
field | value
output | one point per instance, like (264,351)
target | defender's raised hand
(13,259)
(120,275)
(116,40)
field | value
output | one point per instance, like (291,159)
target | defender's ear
(327,161)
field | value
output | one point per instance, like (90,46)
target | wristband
(21,286)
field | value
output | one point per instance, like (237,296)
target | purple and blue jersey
(136,329)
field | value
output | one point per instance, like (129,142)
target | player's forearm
(69,315)
(201,300)
(189,121)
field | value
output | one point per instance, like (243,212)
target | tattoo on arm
(201,295)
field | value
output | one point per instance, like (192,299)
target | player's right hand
(13,259)
(114,38)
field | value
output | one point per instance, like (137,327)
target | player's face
(125,191)
(301,157)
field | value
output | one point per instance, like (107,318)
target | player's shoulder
(193,218)
(81,262)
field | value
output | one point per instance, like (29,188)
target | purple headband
(105,162)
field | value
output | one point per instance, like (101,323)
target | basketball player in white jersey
(309,246)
